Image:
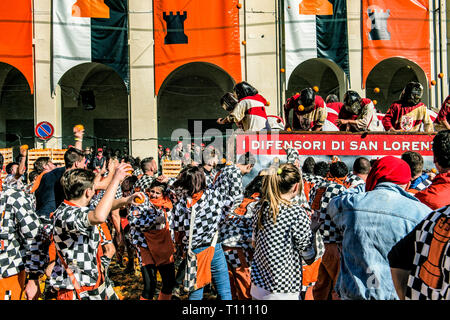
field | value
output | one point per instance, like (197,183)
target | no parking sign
(44,130)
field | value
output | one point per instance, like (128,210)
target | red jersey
(437,194)
(406,118)
(444,114)
(314,118)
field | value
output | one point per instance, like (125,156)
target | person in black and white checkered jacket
(211,205)
(320,196)
(77,237)
(420,262)
(282,237)
(149,168)
(236,237)
(19,227)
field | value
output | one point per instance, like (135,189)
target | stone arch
(16,108)
(191,92)
(391,76)
(107,125)
(320,72)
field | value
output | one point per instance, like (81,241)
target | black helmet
(228,101)
(243,89)
(352,102)
(307,99)
(412,93)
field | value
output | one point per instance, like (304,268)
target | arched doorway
(96,96)
(391,76)
(320,72)
(16,108)
(191,93)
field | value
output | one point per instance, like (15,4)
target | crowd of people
(299,230)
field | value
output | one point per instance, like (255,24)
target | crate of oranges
(172,168)
(7,154)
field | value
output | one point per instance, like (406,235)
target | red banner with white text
(334,144)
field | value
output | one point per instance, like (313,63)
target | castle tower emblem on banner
(175,28)
(379,24)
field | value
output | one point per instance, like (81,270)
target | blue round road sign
(44,130)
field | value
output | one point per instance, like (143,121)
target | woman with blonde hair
(282,237)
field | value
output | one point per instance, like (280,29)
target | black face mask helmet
(243,89)
(412,93)
(306,100)
(352,102)
(229,101)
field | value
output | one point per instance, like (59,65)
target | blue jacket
(420,179)
(372,223)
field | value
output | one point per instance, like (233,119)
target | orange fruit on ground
(376,90)
(282,70)
(239,5)
(441,75)
(244,42)
(375,102)
(301,108)
(316,88)
(433,82)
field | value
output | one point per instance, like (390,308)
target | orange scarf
(163,202)
(37,182)
(337,180)
(195,198)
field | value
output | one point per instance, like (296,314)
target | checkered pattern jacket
(144,183)
(210,177)
(77,241)
(11,182)
(353,181)
(138,172)
(326,191)
(211,208)
(19,226)
(423,185)
(143,217)
(236,229)
(97,197)
(430,279)
(276,265)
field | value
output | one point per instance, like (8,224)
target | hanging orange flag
(196,31)
(16,37)
(395,29)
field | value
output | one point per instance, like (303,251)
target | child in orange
(151,219)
